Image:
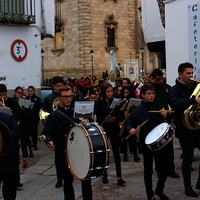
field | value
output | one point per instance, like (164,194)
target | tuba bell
(191,116)
(44,114)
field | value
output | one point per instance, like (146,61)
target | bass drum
(5,139)
(87,151)
(160,136)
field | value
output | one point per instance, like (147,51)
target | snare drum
(87,151)
(160,136)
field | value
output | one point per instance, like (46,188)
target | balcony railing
(17,11)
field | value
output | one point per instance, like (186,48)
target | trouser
(114,140)
(58,166)
(163,163)
(34,132)
(68,183)
(170,158)
(188,143)
(9,186)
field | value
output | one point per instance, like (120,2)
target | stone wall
(84,29)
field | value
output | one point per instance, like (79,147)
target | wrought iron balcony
(17,11)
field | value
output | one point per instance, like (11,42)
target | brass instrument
(121,124)
(191,116)
(2,103)
(44,114)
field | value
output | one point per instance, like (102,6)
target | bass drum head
(78,152)
(156,133)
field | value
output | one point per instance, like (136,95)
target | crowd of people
(126,127)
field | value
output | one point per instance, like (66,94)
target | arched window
(111,33)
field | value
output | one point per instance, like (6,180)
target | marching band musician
(112,129)
(9,163)
(162,92)
(15,108)
(50,103)
(55,130)
(138,116)
(180,98)
(132,141)
(37,104)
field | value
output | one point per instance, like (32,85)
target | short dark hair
(147,86)
(3,88)
(19,88)
(183,66)
(31,87)
(57,79)
(156,72)
(64,88)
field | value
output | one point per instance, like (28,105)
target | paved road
(39,180)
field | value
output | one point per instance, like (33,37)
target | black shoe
(58,184)
(190,192)
(173,174)
(19,185)
(34,146)
(162,196)
(136,159)
(121,182)
(105,180)
(125,159)
(198,185)
(31,155)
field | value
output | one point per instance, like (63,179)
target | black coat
(9,163)
(141,114)
(102,110)
(180,99)
(57,127)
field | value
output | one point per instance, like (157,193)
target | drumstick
(156,111)
(137,128)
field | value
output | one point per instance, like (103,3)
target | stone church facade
(97,25)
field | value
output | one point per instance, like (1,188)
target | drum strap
(67,117)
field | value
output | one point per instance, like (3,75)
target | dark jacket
(141,114)
(57,127)
(162,92)
(180,99)
(9,163)
(102,110)
(37,104)
(48,101)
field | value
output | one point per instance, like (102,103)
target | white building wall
(151,22)
(26,72)
(176,34)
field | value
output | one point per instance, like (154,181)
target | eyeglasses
(66,96)
(19,92)
(150,93)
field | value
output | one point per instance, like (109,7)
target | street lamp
(92,57)
(42,56)
(142,52)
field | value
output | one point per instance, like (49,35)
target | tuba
(44,114)
(191,116)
